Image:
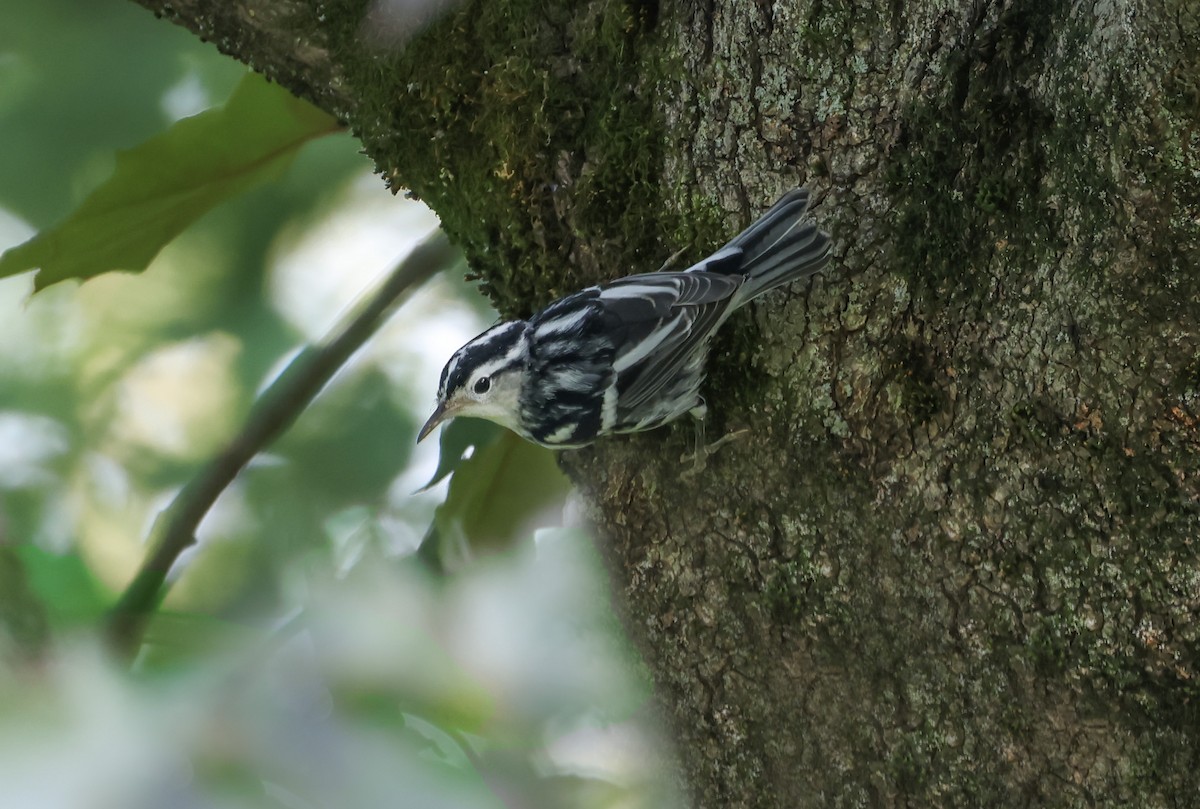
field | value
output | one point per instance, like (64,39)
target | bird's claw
(674,257)
(703,451)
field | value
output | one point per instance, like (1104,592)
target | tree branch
(282,39)
(279,406)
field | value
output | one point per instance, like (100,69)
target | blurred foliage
(496,496)
(63,585)
(167,182)
(459,439)
(79,80)
(305,656)
(23,623)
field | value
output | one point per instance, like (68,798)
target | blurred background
(304,655)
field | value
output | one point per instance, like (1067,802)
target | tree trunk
(953,560)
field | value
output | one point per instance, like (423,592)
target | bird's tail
(780,247)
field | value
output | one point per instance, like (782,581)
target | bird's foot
(674,257)
(700,457)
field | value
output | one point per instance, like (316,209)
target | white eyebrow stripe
(509,358)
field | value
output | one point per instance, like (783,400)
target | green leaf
(457,437)
(496,494)
(64,584)
(23,624)
(166,183)
(176,639)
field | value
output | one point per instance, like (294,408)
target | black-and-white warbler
(627,355)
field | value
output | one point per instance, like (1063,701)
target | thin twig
(280,404)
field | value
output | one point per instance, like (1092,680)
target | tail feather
(780,247)
(767,229)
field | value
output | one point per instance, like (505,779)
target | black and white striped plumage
(628,355)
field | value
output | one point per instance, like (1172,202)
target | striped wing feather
(658,320)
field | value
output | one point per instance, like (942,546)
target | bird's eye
(483,384)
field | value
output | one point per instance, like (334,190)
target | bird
(627,355)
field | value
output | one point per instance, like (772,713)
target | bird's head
(483,379)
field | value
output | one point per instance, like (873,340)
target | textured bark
(285,40)
(953,561)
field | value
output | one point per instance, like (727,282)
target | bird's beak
(439,415)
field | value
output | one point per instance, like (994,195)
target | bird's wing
(657,320)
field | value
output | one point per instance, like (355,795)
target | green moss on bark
(541,149)
(990,171)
